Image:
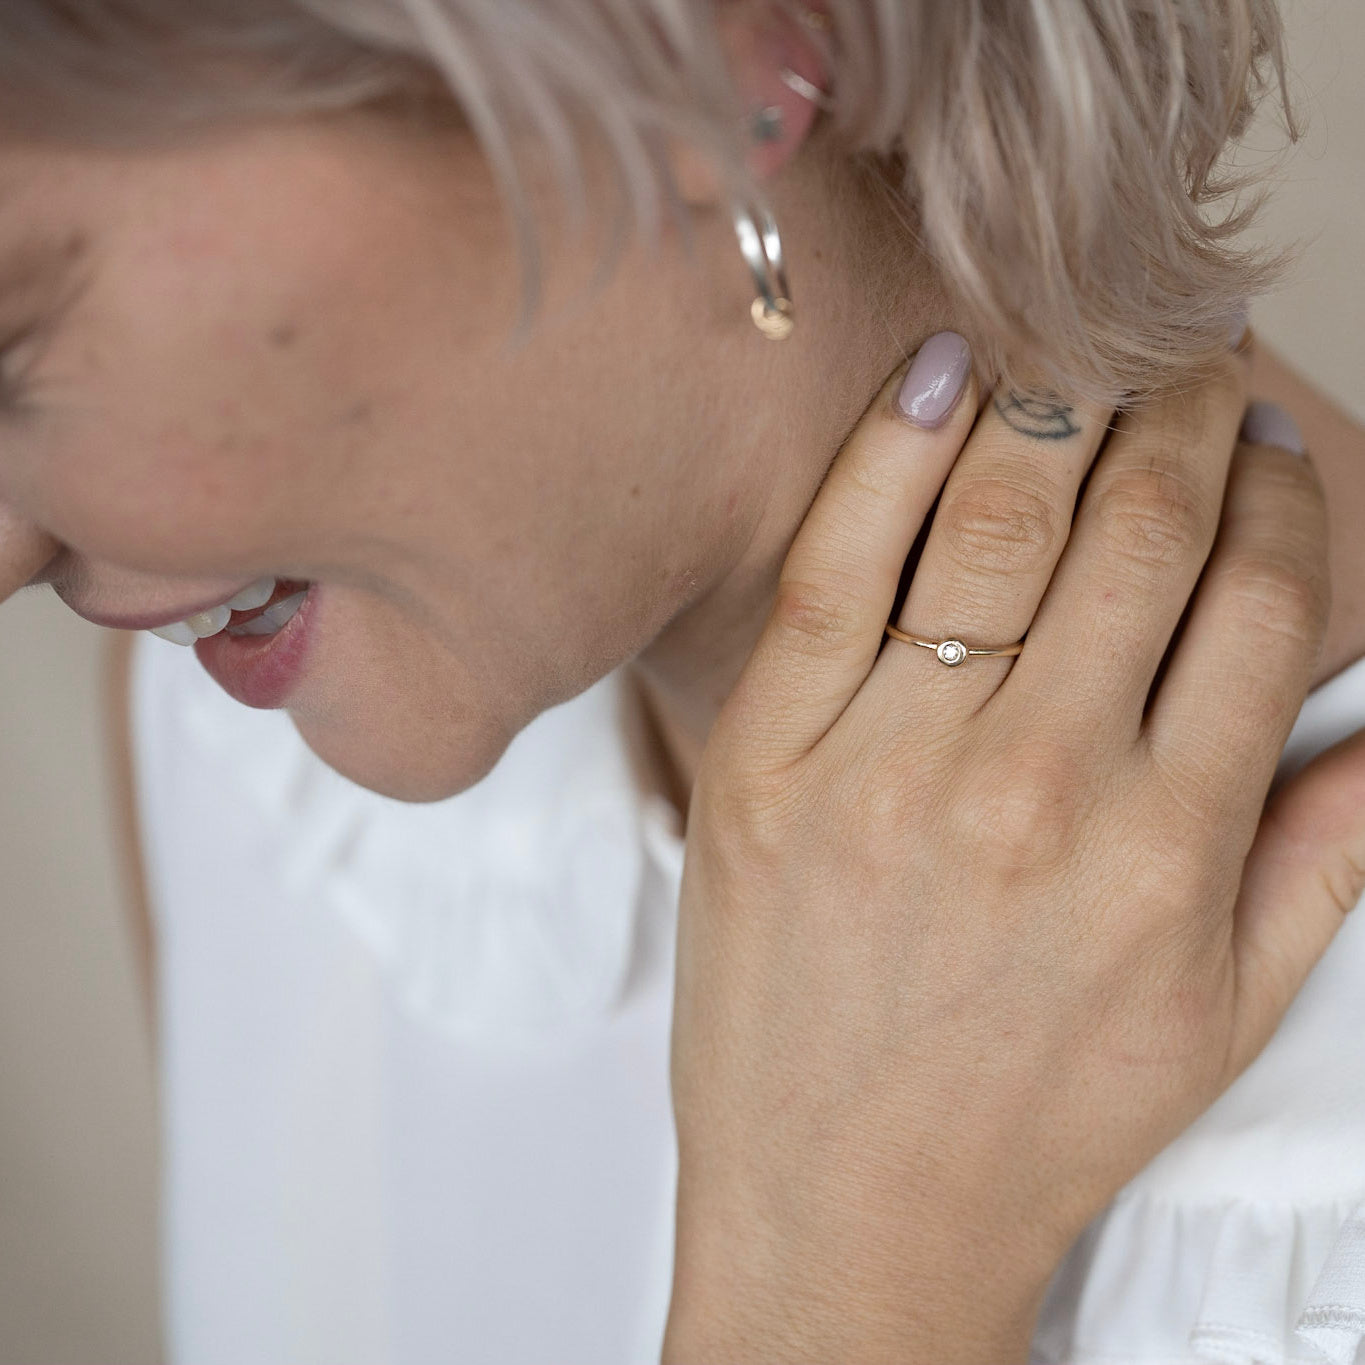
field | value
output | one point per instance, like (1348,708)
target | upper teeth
(206,623)
(257,595)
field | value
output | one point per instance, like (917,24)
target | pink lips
(261,671)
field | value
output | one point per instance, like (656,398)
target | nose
(24,552)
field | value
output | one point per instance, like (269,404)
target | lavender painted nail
(1268,424)
(935,380)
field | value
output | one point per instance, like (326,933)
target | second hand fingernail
(935,380)
(1268,424)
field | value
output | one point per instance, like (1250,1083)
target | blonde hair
(1062,163)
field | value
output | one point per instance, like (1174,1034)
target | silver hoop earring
(761,244)
(794,80)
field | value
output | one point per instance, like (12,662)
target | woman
(958,951)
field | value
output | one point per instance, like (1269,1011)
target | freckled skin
(291,356)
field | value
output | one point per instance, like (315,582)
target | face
(284,351)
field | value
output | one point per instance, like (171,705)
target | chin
(402,762)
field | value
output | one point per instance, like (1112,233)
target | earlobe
(781,78)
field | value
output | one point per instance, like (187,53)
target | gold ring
(951,652)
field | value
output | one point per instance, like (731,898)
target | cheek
(188,514)
(174,450)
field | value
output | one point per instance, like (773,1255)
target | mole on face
(284,335)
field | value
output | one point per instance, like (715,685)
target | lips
(262,671)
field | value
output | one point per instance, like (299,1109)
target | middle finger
(1142,535)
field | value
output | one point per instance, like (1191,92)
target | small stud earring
(768,124)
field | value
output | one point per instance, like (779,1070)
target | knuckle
(1001,527)
(748,813)
(1186,791)
(818,617)
(885,791)
(1195,800)
(1024,813)
(1278,591)
(1290,489)
(1153,519)
(1344,882)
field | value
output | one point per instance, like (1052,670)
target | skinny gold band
(951,652)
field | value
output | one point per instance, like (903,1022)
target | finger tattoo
(1040,418)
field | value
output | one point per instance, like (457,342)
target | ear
(760,42)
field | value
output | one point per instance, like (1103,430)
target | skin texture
(283,351)
(938,1000)
(285,355)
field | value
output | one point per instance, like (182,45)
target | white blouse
(415,1074)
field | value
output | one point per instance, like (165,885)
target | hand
(961,949)
(23,551)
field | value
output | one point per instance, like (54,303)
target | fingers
(1141,535)
(1306,871)
(840,577)
(24,550)
(997,534)
(1244,661)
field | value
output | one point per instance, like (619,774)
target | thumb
(1305,872)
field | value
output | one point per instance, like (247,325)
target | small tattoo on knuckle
(1043,419)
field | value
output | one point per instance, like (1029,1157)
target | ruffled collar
(514,907)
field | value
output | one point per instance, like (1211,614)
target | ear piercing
(759,240)
(794,80)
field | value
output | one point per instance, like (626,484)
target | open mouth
(259,657)
(264,608)
(276,612)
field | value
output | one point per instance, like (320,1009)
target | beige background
(77,1123)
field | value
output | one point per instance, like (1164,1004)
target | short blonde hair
(1062,163)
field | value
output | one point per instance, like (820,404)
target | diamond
(951,652)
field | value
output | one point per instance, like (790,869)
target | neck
(684,676)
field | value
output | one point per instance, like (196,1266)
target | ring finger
(1000,527)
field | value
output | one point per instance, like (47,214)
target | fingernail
(935,380)
(1237,328)
(1268,424)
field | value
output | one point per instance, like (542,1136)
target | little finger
(1243,662)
